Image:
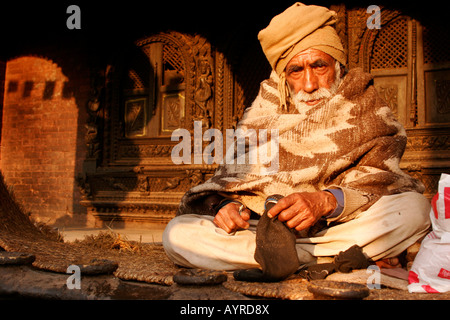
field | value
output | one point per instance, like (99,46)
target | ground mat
(146,263)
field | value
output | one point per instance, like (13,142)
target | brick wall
(42,138)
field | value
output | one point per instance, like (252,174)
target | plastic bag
(430,271)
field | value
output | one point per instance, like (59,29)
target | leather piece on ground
(317,271)
(351,259)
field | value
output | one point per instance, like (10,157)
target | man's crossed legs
(385,230)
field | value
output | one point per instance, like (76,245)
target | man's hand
(302,210)
(229,219)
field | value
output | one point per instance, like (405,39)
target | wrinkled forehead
(310,56)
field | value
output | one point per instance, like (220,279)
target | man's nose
(311,82)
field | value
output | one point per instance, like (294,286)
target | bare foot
(389,263)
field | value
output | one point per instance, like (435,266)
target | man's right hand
(229,219)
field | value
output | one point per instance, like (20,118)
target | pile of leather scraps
(346,261)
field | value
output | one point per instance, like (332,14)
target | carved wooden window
(154,93)
(391,48)
(436,44)
(411,65)
(436,74)
(389,60)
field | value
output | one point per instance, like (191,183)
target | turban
(298,28)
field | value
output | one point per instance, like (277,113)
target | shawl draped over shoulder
(351,142)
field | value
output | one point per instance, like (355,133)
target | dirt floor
(26,282)
(45,290)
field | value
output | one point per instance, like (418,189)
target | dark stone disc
(15,258)
(199,277)
(98,266)
(336,289)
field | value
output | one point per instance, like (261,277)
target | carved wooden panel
(173,110)
(135,117)
(392,88)
(437,87)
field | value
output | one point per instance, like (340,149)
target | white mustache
(321,93)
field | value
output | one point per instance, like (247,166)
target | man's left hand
(302,210)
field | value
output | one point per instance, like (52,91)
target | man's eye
(320,66)
(294,70)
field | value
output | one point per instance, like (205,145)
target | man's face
(309,71)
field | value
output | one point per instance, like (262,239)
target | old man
(339,148)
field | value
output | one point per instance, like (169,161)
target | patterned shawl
(351,142)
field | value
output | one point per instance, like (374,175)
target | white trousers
(385,230)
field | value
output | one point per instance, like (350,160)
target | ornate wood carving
(390,94)
(359,38)
(443,96)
